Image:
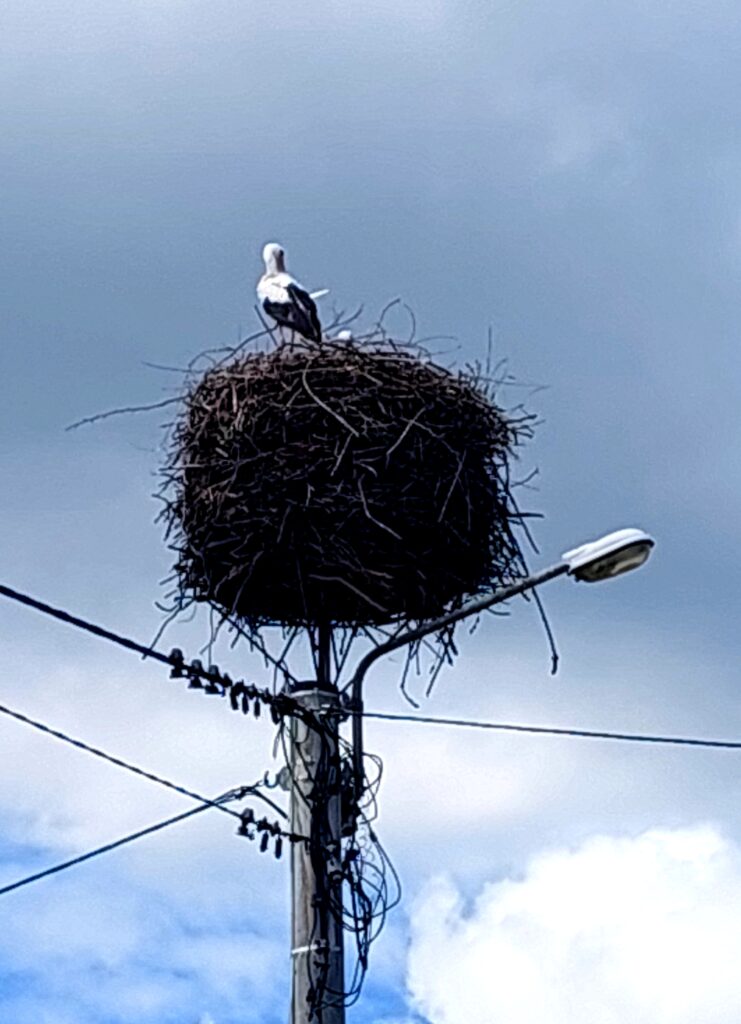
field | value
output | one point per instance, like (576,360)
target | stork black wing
(304,302)
(288,314)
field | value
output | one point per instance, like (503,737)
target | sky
(564,174)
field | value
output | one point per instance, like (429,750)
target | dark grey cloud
(565,172)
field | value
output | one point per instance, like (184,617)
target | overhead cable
(195,670)
(247,816)
(111,846)
(210,680)
(89,627)
(593,734)
(119,763)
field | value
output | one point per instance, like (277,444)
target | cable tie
(320,946)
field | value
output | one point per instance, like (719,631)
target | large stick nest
(343,483)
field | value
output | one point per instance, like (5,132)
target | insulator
(234,697)
(275,713)
(195,670)
(213,685)
(264,842)
(177,661)
(245,705)
(257,709)
(278,847)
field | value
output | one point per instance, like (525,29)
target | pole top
(303,686)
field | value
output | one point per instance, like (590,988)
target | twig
(126,409)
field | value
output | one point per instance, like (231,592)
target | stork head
(274,257)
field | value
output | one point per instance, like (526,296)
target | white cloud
(62,798)
(190,916)
(202,908)
(110,952)
(644,929)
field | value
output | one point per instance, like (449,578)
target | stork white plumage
(284,300)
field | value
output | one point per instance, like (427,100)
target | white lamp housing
(609,556)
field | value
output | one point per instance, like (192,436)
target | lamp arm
(479,604)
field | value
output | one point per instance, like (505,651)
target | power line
(119,763)
(593,734)
(233,795)
(89,627)
(215,681)
(177,663)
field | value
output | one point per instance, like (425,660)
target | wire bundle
(356,883)
(373,885)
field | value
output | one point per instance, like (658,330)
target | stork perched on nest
(284,300)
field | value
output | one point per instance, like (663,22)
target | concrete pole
(316,874)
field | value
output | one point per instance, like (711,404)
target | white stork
(284,300)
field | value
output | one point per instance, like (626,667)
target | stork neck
(275,263)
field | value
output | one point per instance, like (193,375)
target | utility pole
(316,785)
(316,865)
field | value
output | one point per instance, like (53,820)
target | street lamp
(611,555)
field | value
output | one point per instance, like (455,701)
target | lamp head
(609,556)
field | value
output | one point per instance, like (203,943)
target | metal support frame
(354,703)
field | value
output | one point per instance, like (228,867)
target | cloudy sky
(568,174)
